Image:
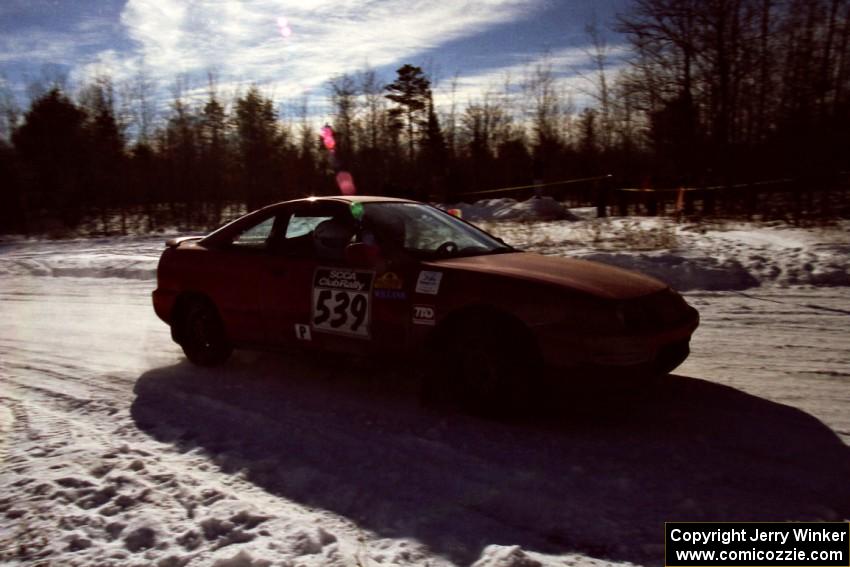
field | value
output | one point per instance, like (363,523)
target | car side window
(256,236)
(297,238)
(301,225)
(319,232)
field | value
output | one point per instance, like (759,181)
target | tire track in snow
(105,472)
(212,509)
(778,348)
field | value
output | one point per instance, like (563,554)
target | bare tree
(374,104)
(343,94)
(598,53)
(449,118)
(10,112)
(543,104)
(139,93)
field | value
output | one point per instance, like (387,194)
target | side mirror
(362,255)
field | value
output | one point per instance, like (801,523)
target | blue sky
(478,41)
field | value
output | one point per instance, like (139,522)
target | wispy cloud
(48,46)
(240,40)
(24,48)
(570,68)
(28,46)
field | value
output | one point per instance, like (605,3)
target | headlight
(653,312)
(600,317)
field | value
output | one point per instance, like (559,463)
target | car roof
(346,199)
(342,199)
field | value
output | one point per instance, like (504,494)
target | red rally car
(383,276)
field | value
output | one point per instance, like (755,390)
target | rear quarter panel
(228,280)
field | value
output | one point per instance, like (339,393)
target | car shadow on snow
(597,476)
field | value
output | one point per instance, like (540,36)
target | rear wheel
(202,334)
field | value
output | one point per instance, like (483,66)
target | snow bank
(82,266)
(130,258)
(712,256)
(685,274)
(536,208)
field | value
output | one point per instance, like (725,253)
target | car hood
(589,277)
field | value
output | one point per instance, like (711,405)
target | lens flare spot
(345,182)
(327,134)
(283,27)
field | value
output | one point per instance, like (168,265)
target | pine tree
(257,137)
(411,91)
(106,187)
(52,146)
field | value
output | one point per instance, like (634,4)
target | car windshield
(427,232)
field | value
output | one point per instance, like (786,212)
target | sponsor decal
(342,279)
(429,282)
(302,332)
(395,294)
(340,301)
(389,280)
(424,315)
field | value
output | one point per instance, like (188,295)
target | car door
(314,297)
(309,295)
(285,283)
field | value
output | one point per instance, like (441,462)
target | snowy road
(790,346)
(117,452)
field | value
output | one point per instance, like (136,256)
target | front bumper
(657,352)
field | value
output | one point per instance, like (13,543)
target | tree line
(712,92)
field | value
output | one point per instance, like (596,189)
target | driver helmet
(332,236)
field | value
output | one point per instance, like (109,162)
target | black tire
(490,366)
(202,334)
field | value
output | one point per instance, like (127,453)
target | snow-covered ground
(116,451)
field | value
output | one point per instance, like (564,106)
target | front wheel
(490,367)
(202,334)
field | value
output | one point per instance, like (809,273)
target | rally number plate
(341,301)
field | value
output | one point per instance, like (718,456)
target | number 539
(341,311)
